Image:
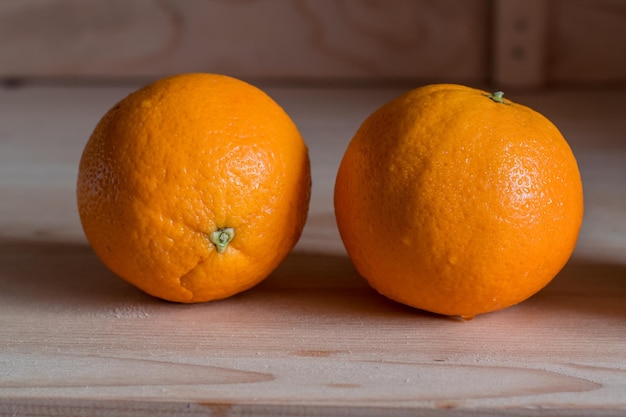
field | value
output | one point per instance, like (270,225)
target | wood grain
(312,335)
(516,43)
(313,339)
(253,39)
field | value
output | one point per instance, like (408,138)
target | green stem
(498,97)
(221,238)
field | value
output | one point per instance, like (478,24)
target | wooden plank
(587,44)
(310,39)
(529,43)
(519,42)
(312,335)
(313,339)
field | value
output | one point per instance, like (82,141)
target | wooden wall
(513,42)
(588,42)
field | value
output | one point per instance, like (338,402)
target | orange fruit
(457,201)
(194,188)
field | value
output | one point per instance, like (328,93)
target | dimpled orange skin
(180,159)
(452,202)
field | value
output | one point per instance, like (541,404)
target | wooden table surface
(313,339)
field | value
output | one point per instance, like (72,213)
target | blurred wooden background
(527,43)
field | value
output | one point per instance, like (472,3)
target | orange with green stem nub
(194,187)
(480,203)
